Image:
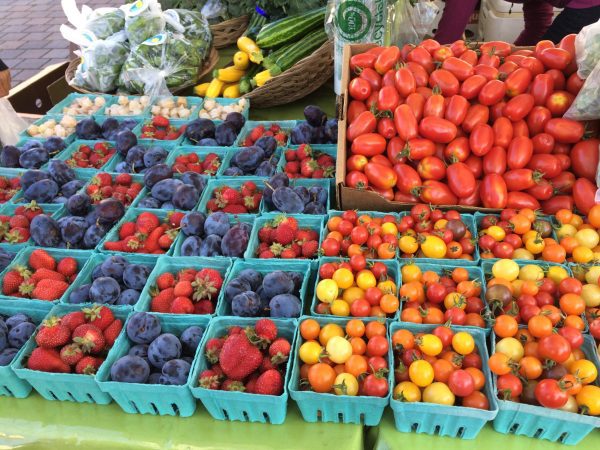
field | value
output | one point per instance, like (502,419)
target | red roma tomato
(435,106)
(492,92)
(388,58)
(475,115)
(472,86)
(518,107)
(416,102)
(380,159)
(565,131)
(458,47)
(362,61)
(520,200)
(395,147)
(420,74)
(489,72)
(519,152)
(563,160)
(438,130)
(561,149)
(508,67)
(376,50)
(461,180)
(557,203)
(445,80)
(475,164)
(560,82)
(408,178)
(405,82)
(406,49)
(357,180)
(388,194)
(541,46)
(520,129)
(472,200)
(369,144)
(496,111)
(388,99)
(386,127)
(563,184)
(469,56)
(354,109)
(359,89)
(405,198)
(558,102)
(537,118)
(534,65)
(520,179)
(495,161)
(456,110)
(584,158)
(546,164)
(442,54)
(584,193)
(431,168)
(421,56)
(424,91)
(493,191)
(503,132)
(481,140)
(357,162)
(437,193)
(555,58)
(543,190)
(516,58)
(574,84)
(461,69)
(364,123)
(543,143)
(418,148)
(541,88)
(431,45)
(371,102)
(457,150)
(372,77)
(380,176)
(568,43)
(518,82)
(389,78)
(406,123)
(489,59)
(499,48)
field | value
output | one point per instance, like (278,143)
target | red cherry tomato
(493,191)
(549,394)
(495,161)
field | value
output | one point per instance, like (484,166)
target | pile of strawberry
(160,128)
(8,188)
(14,229)
(251,360)
(76,342)
(189,291)
(306,163)
(191,162)
(147,234)
(246,200)
(260,131)
(282,238)
(122,188)
(86,157)
(45,278)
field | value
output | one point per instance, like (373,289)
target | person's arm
(538,18)
(4,79)
(454,20)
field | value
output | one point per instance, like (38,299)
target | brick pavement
(29,34)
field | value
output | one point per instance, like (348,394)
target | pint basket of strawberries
(242,369)
(309,161)
(15,221)
(237,196)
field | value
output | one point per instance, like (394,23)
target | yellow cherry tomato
(438,393)
(420,372)
(433,247)
(440,224)
(340,308)
(387,287)
(557,273)
(592,275)
(565,230)
(529,235)
(505,268)
(589,398)
(338,349)
(309,352)
(496,232)
(535,245)
(352,294)
(511,347)
(455,300)
(327,290)
(411,272)
(408,244)
(587,237)
(531,272)
(328,331)
(407,391)
(523,253)
(463,343)
(430,344)
(517,286)
(365,279)
(582,255)
(389,228)
(345,384)
(584,370)
(571,405)
(591,295)
(343,277)
(576,221)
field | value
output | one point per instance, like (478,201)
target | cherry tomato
(388,98)
(461,383)
(406,122)
(518,82)
(518,107)
(472,86)
(369,144)
(388,58)
(493,191)
(364,123)
(495,161)
(456,110)
(541,88)
(509,386)
(584,194)
(492,92)
(437,129)
(521,200)
(475,115)
(564,131)
(359,89)
(549,394)
(362,61)
(437,193)
(519,152)
(375,386)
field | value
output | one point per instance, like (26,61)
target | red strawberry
(14,278)
(208,379)
(30,210)
(183,289)
(162,302)
(102,179)
(204,307)
(99,316)
(257,133)
(248,142)
(232,385)
(52,333)
(238,357)
(146,222)
(172,135)
(165,241)
(213,349)
(132,244)
(296,249)
(71,354)
(115,246)
(151,243)
(266,364)
(288,253)
(265,330)
(207,284)
(90,338)
(248,188)
(19,221)
(290,155)
(112,331)
(47,360)
(182,305)
(304,151)
(127,229)
(325,160)
(264,235)
(45,274)
(123,179)
(229,196)
(212,205)
(88,365)
(308,167)
(73,319)
(25,289)
(292,167)
(67,266)
(235,209)
(175,218)
(310,249)
(279,350)
(235,330)
(253,202)
(269,383)
(251,383)
(267,254)
(160,134)
(160,121)
(284,234)
(17,235)
(49,289)
(281,138)
(165,280)
(41,258)
(303,235)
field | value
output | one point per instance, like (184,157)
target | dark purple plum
(314,115)
(225,134)
(163,190)
(157,173)
(285,306)
(9,156)
(191,246)
(235,242)
(217,223)
(211,246)
(43,191)
(185,197)
(44,230)
(246,304)
(125,140)
(33,158)
(72,229)
(110,210)
(88,129)
(60,172)
(193,224)
(200,129)
(268,144)
(277,282)
(130,369)
(287,201)
(194,179)
(79,204)
(236,119)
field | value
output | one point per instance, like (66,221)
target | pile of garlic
(51,127)
(172,108)
(126,106)
(213,110)
(84,106)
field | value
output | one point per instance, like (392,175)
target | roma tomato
(560,82)
(435,106)
(458,47)
(461,69)
(416,102)
(537,118)
(422,57)
(534,65)
(469,56)
(489,59)
(357,162)
(372,77)
(405,50)
(380,176)
(495,161)
(541,88)
(503,132)
(472,86)
(496,111)
(488,72)
(418,148)
(541,46)
(500,48)
(363,124)
(519,152)
(354,109)
(557,203)
(584,193)
(395,149)
(406,122)
(518,82)
(568,43)
(389,78)
(507,67)
(475,115)
(521,200)
(456,109)
(388,194)
(387,59)
(437,193)
(584,158)
(563,160)
(359,89)
(461,180)
(445,80)
(438,130)
(357,180)
(563,184)
(407,178)
(362,61)
(419,72)
(457,150)
(431,168)
(574,84)
(518,107)
(521,179)
(380,159)
(405,198)
(431,45)
(493,191)
(555,58)
(405,83)
(546,164)
(543,143)
(543,190)
(492,92)
(520,129)
(565,131)
(559,102)
(442,54)
(388,99)
(475,165)
(369,144)
(386,127)
(481,140)
(473,200)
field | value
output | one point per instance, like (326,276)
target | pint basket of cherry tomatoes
(442,385)
(589,276)
(546,382)
(438,293)
(342,372)
(427,233)
(357,288)
(579,236)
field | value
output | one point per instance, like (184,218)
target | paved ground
(29,35)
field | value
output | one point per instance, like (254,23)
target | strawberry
(101,179)
(182,305)
(52,333)
(99,316)
(207,284)
(208,379)
(280,137)
(17,235)
(41,258)
(151,243)
(160,135)
(296,249)
(229,196)
(213,349)
(235,330)
(30,210)
(115,246)
(165,241)
(269,383)
(25,289)
(165,280)
(232,385)
(248,188)
(235,209)
(253,202)
(290,155)
(13,279)
(288,253)
(160,121)
(183,289)
(88,365)
(162,302)
(284,234)
(112,331)
(279,350)
(302,236)
(49,289)
(19,221)
(67,266)
(146,222)
(257,133)
(267,254)
(172,135)
(266,364)
(251,383)
(266,331)
(325,160)
(132,244)
(204,307)
(47,360)
(264,234)
(310,249)
(307,167)
(124,179)
(71,354)
(127,229)
(73,319)
(292,167)
(304,151)
(175,218)
(212,205)
(45,274)
(89,337)
(238,357)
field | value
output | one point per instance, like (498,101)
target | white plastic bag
(586,105)
(101,22)
(587,49)
(409,21)
(10,125)
(143,20)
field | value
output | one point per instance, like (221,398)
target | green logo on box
(353,20)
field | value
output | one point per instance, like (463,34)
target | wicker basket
(209,64)
(304,77)
(227,33)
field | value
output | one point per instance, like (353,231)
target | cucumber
(290,28)
(245,82)
(299,50)
(257,21)
(270,60)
